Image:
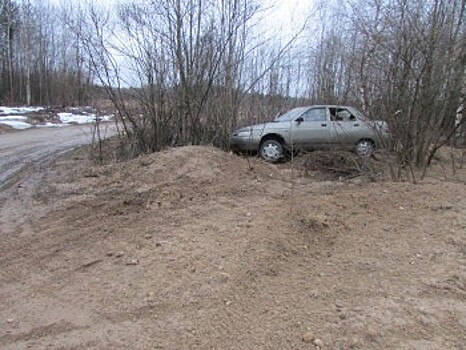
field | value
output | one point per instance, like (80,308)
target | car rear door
(345,128)
(314,129)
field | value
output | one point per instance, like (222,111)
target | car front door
(311,129)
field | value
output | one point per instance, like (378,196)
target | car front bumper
(241,144)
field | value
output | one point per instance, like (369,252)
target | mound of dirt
(196,248)
(170,179)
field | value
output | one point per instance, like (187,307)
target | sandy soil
(190,248)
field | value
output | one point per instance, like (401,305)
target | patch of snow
(19,110)
(13,117)
(50,125)
(16,124)
(106,118)
(70,118)
(80,108)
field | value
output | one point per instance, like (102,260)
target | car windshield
(291,114)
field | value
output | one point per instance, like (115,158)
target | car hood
(263,126)
(253,127)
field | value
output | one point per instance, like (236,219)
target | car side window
(315,115)
(342,114)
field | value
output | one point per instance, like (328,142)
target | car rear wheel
(365,148)
(271,151)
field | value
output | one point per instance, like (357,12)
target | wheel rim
(364,148)
(271,151)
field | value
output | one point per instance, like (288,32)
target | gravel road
(22,152)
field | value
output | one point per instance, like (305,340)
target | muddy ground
(195,248)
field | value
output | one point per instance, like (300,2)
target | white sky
(288,16)
(283,19)
(284,15)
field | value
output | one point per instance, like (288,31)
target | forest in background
(190,71)
(41,59)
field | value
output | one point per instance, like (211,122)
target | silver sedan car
(312,127)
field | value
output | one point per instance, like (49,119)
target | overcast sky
(288,15)
(282,19)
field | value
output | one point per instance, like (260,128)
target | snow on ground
(17,117)
(19,110)
(16,124)
(13,117)
(69,118)
(49,125)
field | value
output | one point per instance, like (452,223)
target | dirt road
(23,157)
(20,152)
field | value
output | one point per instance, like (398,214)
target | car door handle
(357,124)
(323,124)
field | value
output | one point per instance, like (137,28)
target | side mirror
(299,120)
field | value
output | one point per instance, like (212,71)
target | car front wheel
(271,151)
(365,148)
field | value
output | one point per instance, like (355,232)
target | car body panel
(313,130)
(310,134)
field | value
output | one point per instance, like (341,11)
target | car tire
(271,151)
(365,148)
